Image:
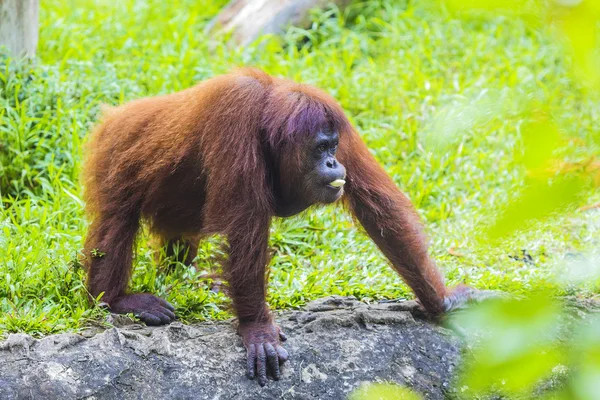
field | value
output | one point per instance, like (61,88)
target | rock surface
(335,344)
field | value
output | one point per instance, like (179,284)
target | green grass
(401,72)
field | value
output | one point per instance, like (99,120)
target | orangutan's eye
(322,148)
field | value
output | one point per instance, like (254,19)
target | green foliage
(401,70)
(538,199)
(522,346)
(382,391)
(519,349)
(576,23)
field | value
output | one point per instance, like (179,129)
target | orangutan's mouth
(337,184)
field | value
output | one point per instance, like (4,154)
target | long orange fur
(201,161)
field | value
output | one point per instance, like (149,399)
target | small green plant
(95,253)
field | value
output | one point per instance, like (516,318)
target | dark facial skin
(326,169)
(312,183)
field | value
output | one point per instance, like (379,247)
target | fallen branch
(246,20)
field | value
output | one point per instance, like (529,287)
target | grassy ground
(400,72)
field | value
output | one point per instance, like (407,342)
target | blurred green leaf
(538,199)
(541,139)
(585,357)
(470,111)
(383,391)
(580,270)
(516,346)
(529,10)
(579,26)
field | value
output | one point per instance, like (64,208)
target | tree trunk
(246,20)
(19,26)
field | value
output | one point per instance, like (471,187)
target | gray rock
(335,344)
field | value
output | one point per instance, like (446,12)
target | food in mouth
(338,183)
